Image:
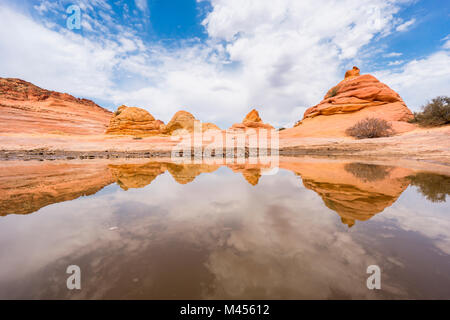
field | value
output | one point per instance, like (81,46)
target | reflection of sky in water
(220,237)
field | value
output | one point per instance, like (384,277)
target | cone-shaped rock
(252,120)
(351,100)
(183,120)
(134,121)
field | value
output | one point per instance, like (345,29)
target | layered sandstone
(351,100)
(134,121)
(26,108)
(251,120)
(183,121)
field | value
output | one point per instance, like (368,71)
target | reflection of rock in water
(25,188)
(185,173)
(355,191)
(434,187)
(136,175)
(351,202)
(140,175)
(368,172)
(251,173)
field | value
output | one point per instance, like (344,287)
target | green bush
(370,128)
(333,91)
(435,113)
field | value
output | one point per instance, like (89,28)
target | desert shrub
(434,187)
(281,129)
(435,113)
(370,128)
(117,112)
(333,91)
(368,172)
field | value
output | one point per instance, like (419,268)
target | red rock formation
(26,108)
(352,73)
(251,120)
(134,121)
(183,120)
(353,99)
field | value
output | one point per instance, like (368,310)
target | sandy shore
(430,145)
(420,144)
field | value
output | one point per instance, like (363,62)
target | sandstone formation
(184,121)
(26,108)
(209,126)
(353,99)
(251,120)
(352,73)
(134,121)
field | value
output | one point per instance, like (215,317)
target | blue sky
(220,58)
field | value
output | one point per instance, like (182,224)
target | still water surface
(159,230)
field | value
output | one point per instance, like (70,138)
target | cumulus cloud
(142,5)
(280,59)
(395,63)
(62,60)
(420,80)
(406,25)
(446,44)
(392,54)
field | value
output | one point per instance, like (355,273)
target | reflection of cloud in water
(217,237)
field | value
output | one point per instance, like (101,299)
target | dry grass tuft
(370,128)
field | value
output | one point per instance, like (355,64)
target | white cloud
(142,5)
(392,55)
(420,80)
(406,25)
(395,63)
(447,42)
(46,6)
(280,59)
(62,60)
